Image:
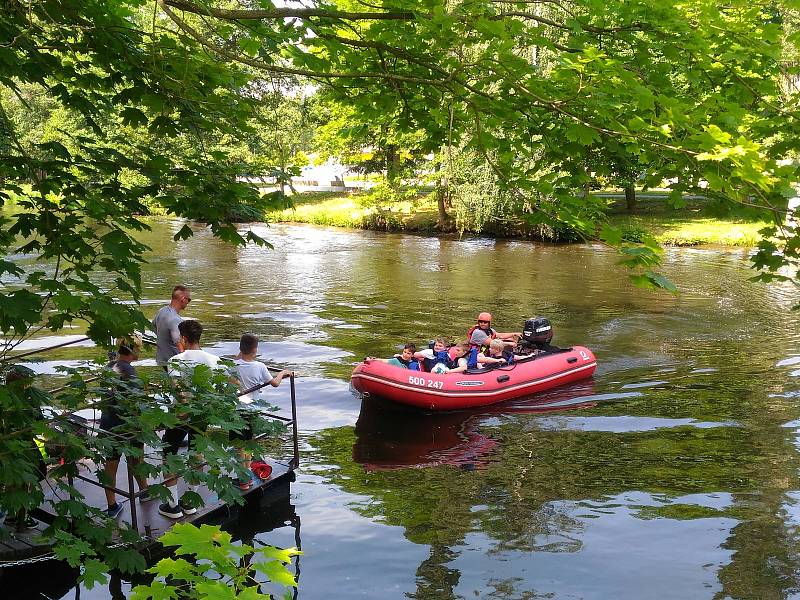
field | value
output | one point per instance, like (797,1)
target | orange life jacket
(485,347)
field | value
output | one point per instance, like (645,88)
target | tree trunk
(392,165)
(630,198)
(445,223)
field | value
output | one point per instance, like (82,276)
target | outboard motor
(537,334)
(537,331)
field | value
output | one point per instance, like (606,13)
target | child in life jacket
(439,359)
(404,360)
(458,357)
(497,354)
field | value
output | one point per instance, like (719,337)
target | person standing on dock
(251,373)
(23,414)
(165,324)
(182,365)
(111,420)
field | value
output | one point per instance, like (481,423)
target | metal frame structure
(130,495)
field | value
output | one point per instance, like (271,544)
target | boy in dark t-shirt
(110,421)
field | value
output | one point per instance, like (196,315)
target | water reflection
(678,476)
(390,436)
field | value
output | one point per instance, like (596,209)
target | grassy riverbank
(691,229)
(690,226)
(338,209)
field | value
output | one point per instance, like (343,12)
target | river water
(673,473)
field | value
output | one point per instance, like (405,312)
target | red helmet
(485,316)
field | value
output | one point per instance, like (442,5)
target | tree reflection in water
(391,437)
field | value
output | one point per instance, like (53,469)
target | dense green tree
(693,87)
(698,91)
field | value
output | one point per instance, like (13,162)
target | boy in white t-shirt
(251,373)
(182,366)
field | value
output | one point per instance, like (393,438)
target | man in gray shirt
(165,324)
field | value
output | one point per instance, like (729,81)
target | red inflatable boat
(477,387)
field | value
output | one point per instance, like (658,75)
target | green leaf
(215,590)
(611,235)
(184,233)
(133,117)
(577,132)
(155,591)
(19,310)
(178,569)
(71,549)
(662,282)
(252,593)
(652,280)
(195,540)
(276,571)
(250,46)
(278,553)
(126,560)
(94,571)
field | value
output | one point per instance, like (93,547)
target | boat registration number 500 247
(426,382)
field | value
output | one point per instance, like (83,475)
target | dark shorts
(247,432)
(116,453)
(173,437)
(109,423)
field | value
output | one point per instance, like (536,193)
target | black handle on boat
(572,359)
(503,378)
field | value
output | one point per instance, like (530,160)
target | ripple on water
(602,554)
(622,424)
(644,384)
(286,352)
(54,367)
(302,318)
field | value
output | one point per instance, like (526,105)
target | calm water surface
(672,474)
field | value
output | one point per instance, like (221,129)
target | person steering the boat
(481,334)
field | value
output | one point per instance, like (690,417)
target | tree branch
(283,13)
(258,64)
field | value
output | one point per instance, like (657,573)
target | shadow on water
(391,436)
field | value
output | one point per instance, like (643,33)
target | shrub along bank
(690,226)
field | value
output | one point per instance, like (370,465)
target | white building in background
(330,176)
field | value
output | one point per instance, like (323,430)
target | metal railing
(130,494)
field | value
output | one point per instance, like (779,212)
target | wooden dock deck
(29,544)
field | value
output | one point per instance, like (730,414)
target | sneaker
(188,509)
(244,485)
(112,512)
(29,523)
(173,512)
(146,496)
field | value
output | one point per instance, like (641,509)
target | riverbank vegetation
(511,114)
(693,225)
